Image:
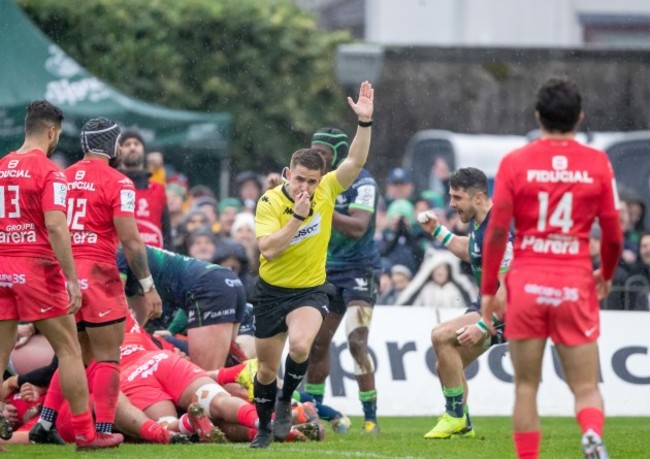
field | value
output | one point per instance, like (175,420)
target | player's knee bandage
(359,317)
(206,393)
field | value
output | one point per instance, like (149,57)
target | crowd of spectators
(418,271)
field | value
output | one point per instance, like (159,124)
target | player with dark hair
(353,267)
(101,202)
(554,189)
(35,252)
(151,211)
(459,342)
(293,225)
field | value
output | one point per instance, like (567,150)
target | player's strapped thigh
(560,304)
(272,304)
(359,317)
(216,297)
(103,299)
(204,390)
(31,289)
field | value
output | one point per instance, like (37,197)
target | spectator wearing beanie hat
(151,213)
(202,245)
(243,231)
(399,185)
(228,209)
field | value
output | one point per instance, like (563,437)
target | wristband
(480,324)
(147,284)
(299,217)
(365,123)
(442,234)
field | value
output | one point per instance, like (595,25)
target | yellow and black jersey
(303,263)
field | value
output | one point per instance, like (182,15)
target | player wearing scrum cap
(100,204)
(460,341)
(35,248)
(353,267)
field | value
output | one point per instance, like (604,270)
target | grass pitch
(400,438)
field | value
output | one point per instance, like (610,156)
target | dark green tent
(33,67)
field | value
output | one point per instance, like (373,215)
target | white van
(483,151)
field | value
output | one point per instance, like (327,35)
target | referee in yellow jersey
(293,222)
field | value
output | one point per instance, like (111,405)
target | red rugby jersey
(96,194)
(554,190)
(30,185)
(149,207)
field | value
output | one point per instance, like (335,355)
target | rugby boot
(295,435)
(177,438)
(305,412)
(38,434)
(370,427)
(263,438)
(5,429)
(341,424)
(282,421)
(202,425)
(102,440)
(315,431)
(446,427)
(467,432)
(592,446)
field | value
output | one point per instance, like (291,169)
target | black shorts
(272,304)
(216,297)
(500,326)
(353,284)
(247,324)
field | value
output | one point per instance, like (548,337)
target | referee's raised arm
(350,168)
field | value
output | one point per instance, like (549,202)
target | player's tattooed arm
(134,248)
(138,263)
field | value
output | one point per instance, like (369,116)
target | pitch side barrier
(407,383)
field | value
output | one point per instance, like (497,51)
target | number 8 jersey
(30,185)
(96,194)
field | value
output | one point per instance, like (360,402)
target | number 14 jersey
(96,194)
(556,188)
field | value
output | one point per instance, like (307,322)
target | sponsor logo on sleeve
(127,200)
(60,192)
(365,196)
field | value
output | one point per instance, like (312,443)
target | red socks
(247,415)
(84,429)
(106,387)
(229,375)
(527,444)
(54,397)
(591,418)
(153,432)
(184,425)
